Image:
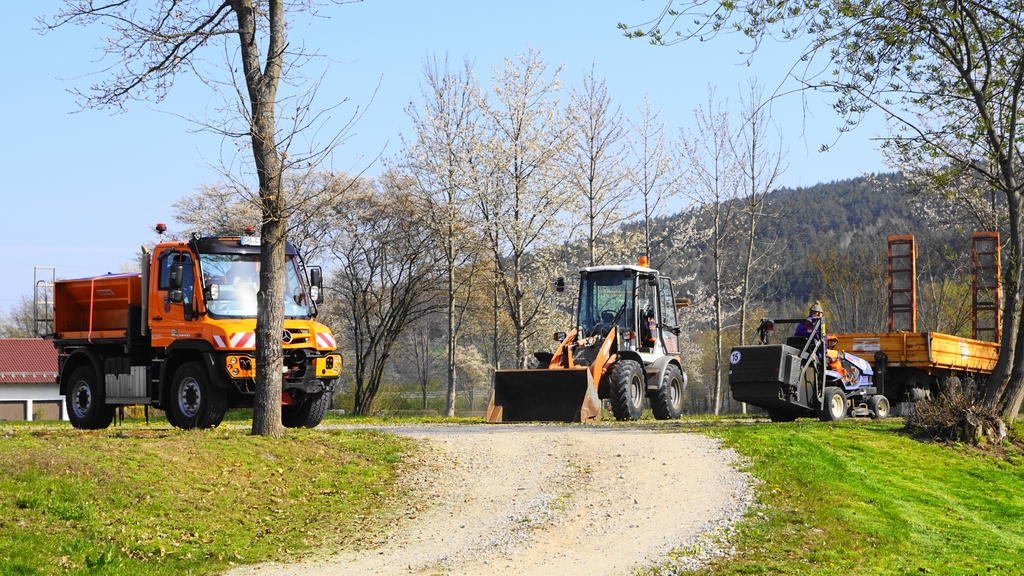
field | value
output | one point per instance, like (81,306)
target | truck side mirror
(560,284)
(177,273)
(316,284)
(176,296)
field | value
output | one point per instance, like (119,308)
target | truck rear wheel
(627,390)
(667,403)
(85,401)
(306,413)
(879,406)
(833,405)
(194,402)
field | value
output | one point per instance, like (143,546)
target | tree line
(537,183)
(498,191)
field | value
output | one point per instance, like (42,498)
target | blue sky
(85,188)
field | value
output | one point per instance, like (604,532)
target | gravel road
(542,499)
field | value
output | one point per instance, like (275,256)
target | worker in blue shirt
(803,330)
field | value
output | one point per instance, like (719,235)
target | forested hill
(850,216)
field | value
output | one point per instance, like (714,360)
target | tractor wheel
(879,406)
(833,405)
(194,401)
(306,413)
(85,401)
(776,415)
(627,389)
(667,403)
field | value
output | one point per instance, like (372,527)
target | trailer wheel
(879,406)
(667,403)
(194,402)
(627,388)
(85,401)
(306,413)
(776,415)
(833,405)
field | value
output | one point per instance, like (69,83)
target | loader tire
(194,401)
(306,413)
(627,390)
(833,405)
(85,401)
(879,406)
(667,403)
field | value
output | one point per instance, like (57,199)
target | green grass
(138,500)
(860,497)
(854,497)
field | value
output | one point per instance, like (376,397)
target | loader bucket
(559,395)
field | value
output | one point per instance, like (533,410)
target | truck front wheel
(627,388)
(85,401)
(833,405)
(307,412)
(667,403)
(194,402)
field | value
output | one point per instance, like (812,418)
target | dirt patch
(523,500)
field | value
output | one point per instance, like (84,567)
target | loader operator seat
(605,325)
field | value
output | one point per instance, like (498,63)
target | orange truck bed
(95,307)
(930,351)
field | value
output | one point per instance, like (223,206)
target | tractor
(803,377)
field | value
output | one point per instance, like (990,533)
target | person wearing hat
(816,313)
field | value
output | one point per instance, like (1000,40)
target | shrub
(957,414)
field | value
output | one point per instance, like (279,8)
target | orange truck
(180,336)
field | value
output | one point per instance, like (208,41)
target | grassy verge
(155,500)
(859,497)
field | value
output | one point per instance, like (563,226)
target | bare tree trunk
(494,335)
(718,347)
(717,255)
(449,409)
(262,86)
(1004,386)
(1011,389)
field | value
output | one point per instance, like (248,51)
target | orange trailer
(911,365)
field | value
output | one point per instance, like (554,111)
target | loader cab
(606,300)
(635,299)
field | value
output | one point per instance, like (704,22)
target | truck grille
(299,336)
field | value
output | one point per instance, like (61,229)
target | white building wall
(28,393)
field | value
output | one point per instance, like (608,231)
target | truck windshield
(603,296)
(230,283)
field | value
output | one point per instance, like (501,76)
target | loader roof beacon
(180,336)
(624,347)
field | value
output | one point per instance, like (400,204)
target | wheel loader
(623,348)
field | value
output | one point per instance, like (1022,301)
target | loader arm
(562,358)
(604,357)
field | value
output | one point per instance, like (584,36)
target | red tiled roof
(24,360)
